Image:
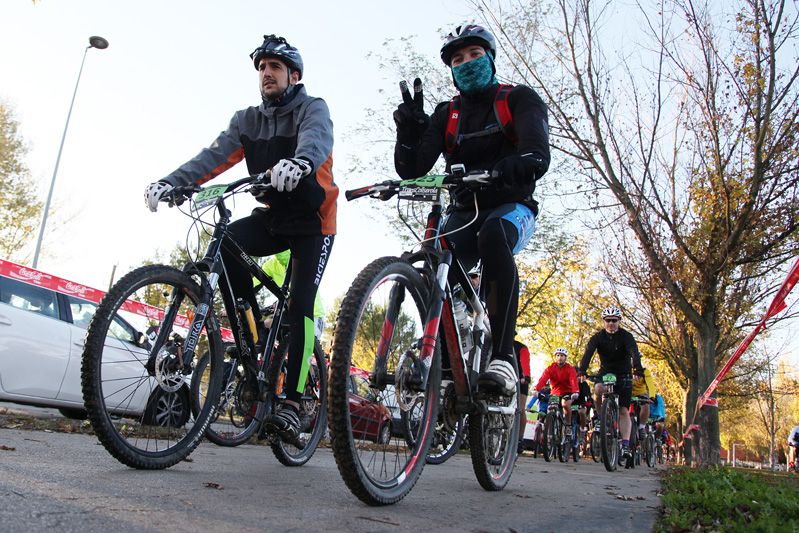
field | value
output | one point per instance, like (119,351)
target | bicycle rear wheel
(313,409)
(375,378)
(450,428)
(239,412)
(133,360)
(609,433)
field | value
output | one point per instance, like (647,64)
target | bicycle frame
(210,268)
(438,254)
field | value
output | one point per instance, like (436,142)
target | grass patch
(18,420)
(726,499)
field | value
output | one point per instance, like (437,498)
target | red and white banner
(54,283)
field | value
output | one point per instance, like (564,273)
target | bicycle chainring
(449,414)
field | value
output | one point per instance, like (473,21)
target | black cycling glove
(410,118)
(518,170)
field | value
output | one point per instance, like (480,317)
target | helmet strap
(283,98)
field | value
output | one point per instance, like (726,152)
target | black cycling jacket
(618,353)
(530,122)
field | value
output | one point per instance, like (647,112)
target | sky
(169,82)
(172,77)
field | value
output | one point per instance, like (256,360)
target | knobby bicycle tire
(493,446)
(382,473)
(313,410)
(115,375)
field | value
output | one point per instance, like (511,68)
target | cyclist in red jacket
(563,379)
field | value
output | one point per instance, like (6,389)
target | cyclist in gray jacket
(290,133)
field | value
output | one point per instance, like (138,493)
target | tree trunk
(689,406)
(708,416)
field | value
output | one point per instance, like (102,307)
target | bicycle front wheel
(376,381)
(609,433)
(313,409)
(550,436)
(133,368)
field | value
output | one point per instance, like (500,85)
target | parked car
(370,419)
(42,330)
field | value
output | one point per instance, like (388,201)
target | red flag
(777,305)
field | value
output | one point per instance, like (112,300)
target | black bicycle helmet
(277,47)
(466,35)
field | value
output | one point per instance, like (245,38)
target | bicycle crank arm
(504,410)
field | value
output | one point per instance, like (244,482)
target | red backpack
(501,110)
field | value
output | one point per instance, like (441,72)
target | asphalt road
(68,482)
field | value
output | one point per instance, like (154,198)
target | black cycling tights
(309,256)
(491,239)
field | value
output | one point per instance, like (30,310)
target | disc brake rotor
(406,373)
(167,371)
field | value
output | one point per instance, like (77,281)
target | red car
(370,419)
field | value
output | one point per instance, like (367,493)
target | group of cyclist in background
(619,356)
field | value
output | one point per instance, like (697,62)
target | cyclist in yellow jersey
(644,387)
(275,267)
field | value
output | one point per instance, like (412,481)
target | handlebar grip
(354,194)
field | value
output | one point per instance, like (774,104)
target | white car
(41,344)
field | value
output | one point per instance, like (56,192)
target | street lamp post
(100,44)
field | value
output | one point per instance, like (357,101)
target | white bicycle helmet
(561,351)
(611,312)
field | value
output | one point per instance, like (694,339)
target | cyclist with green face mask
(487,126)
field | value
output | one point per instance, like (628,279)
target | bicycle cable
(472,221)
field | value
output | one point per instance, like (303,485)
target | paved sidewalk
(68,482)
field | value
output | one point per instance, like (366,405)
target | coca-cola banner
(64,286)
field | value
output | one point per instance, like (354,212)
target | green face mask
(475,75)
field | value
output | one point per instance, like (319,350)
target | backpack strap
(502,111)
(453,125)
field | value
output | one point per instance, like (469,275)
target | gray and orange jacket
(263,135)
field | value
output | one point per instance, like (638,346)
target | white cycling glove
(153,194)
(287,173)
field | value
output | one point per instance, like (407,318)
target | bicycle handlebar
(181,193)
(386,189)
